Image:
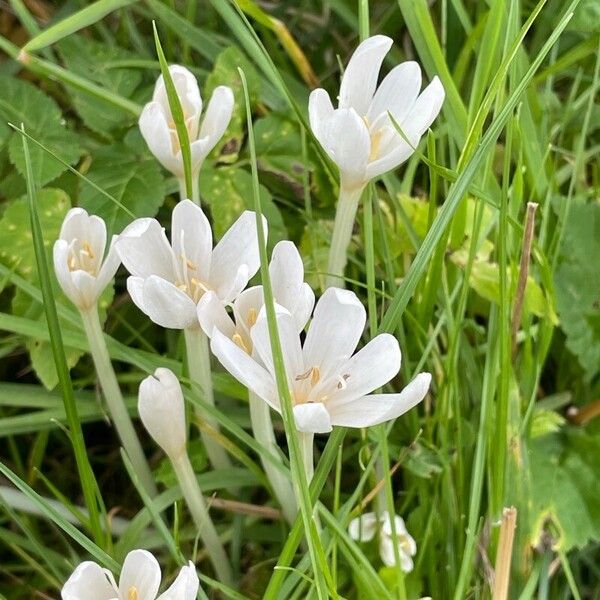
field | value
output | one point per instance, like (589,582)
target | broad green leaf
(92,60)
(134,180)
(577,282)
(228,191)
(225,73)
(22,102)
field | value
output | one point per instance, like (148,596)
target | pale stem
(306,450)
(345,215)
(198,358)
(262,428)
(504,554)
(114,398)
(183,195)
(199,511)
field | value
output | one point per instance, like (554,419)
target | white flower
(329,385)
(162,411)
(140,580)
(359,135)
(289,290)
(363,529)
(168,280)
(158,128)
(79,263)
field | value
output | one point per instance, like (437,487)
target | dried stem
(504,555)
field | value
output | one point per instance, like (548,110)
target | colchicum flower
(364,528)
(289,290)
(330,385)
(140,580)
(359,135)
(159,131)
(168,280)
(162,411)
(79,263)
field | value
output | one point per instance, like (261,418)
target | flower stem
(199,511)
(306,450)
(114,398)
(342,233)
(262,428)
(198,359)
(195,189)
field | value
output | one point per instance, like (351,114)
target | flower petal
(335,330)
(346,139)
(191,237)
(245,369)
(320,110)
(247,307)
(89,581)
(185,587)
(212,314)
(60,255)
(360,77)
(217,116)
(304,307)
(85,284)
(388,555)
(392,153)
(370,368)
(145,250)
(109,267)
(379,408)
(312,418)
(167,305)
(397,92)
(135,287)
(363,528)
(142,573)
(426,108)
(239,246)
(155,131)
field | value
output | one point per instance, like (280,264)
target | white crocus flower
(79,263)
(289,290)
(359,135)
(365,527)
(168,280)
(330,385)
(162,411)
(158,128)
(140,580)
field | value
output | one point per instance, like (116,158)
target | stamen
(182,287)
(342,382)
(190,265)
(88,250)
(315,376)
(71,263)
(132,593)
(375,143)
(239,341)
(252,316)
(199,284)
(304,375)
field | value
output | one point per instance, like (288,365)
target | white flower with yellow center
(289,290)
(364,528)
(168,280)
(158,128)
(359,135)
(79,263)
(330,385)
(140,580)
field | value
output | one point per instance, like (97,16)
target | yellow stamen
(304,375)
(239,341)
(199,284)
(132,593)
(315,376)
(71,263)
(190,265)
(252,315)
(375,143)
(88,250)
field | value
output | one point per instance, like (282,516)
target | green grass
(435,257)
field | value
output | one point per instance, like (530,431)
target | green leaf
(135,181)
(564,485)
(228,191)
(225,73)
(22,102)
(92,60)
(577,282)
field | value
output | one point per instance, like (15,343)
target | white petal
(85,284)
(304,307)
(397,92)
(247,307)
(145,250)
(191,239)
(185,587)
(371,367)
(363,528)
(109,267)
(244,368)
(135,287)
(346,139)
(228,293)
(212,314)
(320,110)
(379,408)
(239,246)
(155,131)
(60,254)
(141,572)
(162,411)
(393,154)
(426,108)
(167,305)
(199,151)
(335,330)
(388,555)
(89,582)
(360,77)
(78,225)
(399,524)
(312,417)
(217,116)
